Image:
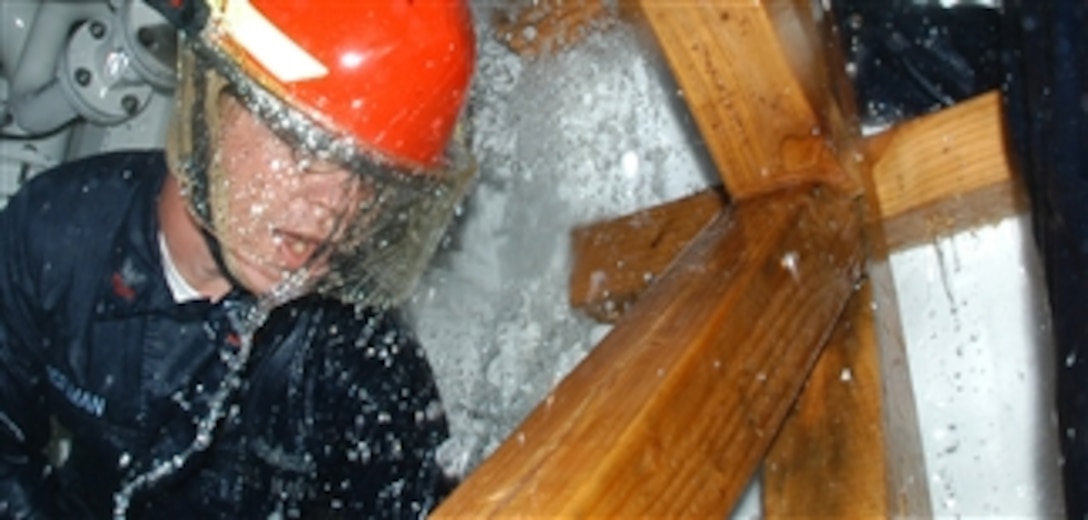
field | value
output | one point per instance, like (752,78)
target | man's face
(274,209)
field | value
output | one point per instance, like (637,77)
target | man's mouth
(296,249)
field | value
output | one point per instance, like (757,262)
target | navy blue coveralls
(338,414)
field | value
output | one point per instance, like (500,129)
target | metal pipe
(33,85)
(16,19)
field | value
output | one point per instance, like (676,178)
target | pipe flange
(152,42)
(97,75)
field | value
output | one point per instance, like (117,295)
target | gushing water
(246,321)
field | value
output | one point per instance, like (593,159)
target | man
(209,332)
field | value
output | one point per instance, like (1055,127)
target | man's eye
(313,165)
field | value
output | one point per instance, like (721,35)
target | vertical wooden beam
(906,479)
(671,414)
(750,72)
(761,77)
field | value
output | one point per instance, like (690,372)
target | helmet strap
(216,249)
(200,159)
(199,181)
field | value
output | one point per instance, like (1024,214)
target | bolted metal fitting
(145,36)
(131,104)
(98,29)
(83,77)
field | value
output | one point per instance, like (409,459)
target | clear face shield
(293,208)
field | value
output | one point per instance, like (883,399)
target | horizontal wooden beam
(670,415)
(549,25)
(934,176)
(944,173)
(615,260)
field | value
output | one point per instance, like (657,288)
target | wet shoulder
(92,189)
(369,345)
(62,223)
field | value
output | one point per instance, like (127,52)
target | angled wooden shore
(723,308)
(672,413)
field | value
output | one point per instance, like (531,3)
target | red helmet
(374,87)
(390,74)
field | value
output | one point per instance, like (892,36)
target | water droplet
(630,163)
(789,262)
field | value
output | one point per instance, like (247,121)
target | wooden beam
(833,458)
(549,25)
(934,176)
(944,173)
(828,461)
(892,482)
(906,479)
(906,482)
(758,76)
(670,415)
(615,260)
(831,461)
(852,447)
(747,70)
(861,457)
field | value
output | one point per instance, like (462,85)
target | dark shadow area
(1046,104)
(908,59)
